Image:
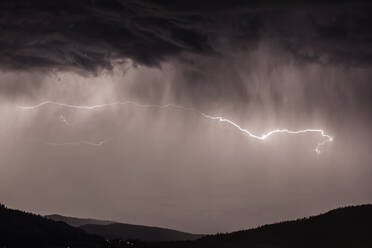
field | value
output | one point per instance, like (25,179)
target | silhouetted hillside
(341,228)
(114,230)
(345,227)
(20,229)
(76,222)
(145,233)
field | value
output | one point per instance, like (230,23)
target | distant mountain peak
(116,230)
(77,222)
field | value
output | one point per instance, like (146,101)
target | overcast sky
(263,66)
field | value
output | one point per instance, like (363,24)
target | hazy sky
(265,67)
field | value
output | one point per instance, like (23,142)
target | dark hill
(145,233)
(21,229)
(344,227)
(114,230)
(76,222)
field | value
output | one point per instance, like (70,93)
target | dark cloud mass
(94,34)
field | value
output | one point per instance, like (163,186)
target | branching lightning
(82,142)
(63,119)
(326,137)
(98,106)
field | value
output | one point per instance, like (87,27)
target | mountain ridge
(23,229)
(129,231)
(341,227)
(77,221)
(118,230)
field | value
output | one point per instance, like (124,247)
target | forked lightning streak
(327,138)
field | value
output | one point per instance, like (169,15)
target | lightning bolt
(83,142)
(327,138)
(98,106)
(63,119)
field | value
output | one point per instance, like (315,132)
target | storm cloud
(94,35)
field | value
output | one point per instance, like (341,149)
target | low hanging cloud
(94,35)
